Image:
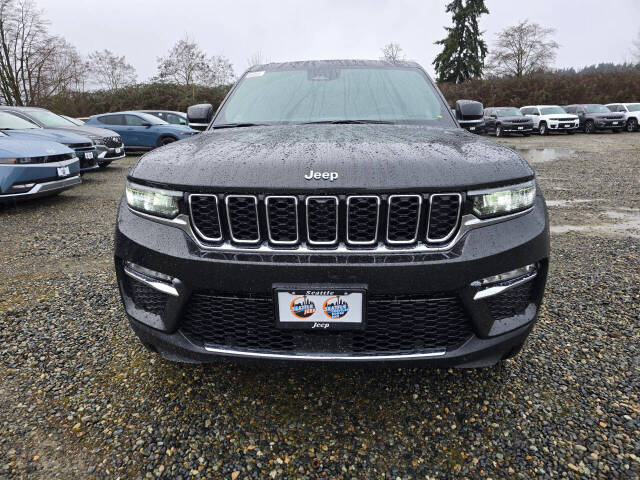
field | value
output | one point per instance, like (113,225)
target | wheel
(499,131)
(165,141)
(589,126)
(103,165)
(542,129)
(632,125)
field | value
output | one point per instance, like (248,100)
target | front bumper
(480,253)
(88,159)
(108,154)
(517,128)
(44,189)
(563,126)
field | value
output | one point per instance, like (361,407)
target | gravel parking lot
(81,397)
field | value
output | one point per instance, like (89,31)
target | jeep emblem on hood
(331,176)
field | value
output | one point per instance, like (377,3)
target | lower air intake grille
(145,297)
(393,325)
(510,302)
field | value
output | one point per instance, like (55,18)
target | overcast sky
(589,31)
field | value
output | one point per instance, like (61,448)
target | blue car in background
(39,168)
(141,131)
(21,129)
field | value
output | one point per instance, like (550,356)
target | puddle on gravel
(570,203)
(539,155)
(628,225)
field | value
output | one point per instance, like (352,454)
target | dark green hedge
(551,89)
(137,97)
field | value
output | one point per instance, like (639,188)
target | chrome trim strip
(327,357)
(255,205)
(375,238)
(155,284)
(52,186)
(306,204)
(415,237)
(448,236)
(484,191)
(295,204)
(468,222)
(491,291)
(193,222)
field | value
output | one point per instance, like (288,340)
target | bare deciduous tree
(186,64)
(392,52)
(34,65)
(522,49)
(256,58)
(109,71)
(635,50)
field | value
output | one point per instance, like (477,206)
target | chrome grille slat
(314,206)
(282,225)
(243,219)
(359,222)
(443,223)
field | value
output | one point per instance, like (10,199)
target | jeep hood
(376,157)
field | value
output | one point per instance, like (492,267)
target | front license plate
(567,125)
(118,150)
(326,309)
(520,128)
(614,123)
(472,128)
(63,171)
(88,155)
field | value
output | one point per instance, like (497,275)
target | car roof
(332,63)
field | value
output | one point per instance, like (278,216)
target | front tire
(589,126)
(632,125)
(542,129)
(165,141)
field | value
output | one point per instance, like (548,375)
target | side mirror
(146,124)
(469,110)
(200,116)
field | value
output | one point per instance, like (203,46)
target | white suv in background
(551,118)
(631,114)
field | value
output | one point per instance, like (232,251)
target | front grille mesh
(112,142)
(393,325)
(357,221)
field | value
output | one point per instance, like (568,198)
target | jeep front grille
(325,222)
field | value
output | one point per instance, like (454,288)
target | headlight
(504,200)
(154,201)
(14,160)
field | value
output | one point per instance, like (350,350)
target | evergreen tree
(463,51)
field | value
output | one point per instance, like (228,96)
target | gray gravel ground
(80,397)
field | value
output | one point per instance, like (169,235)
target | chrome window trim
(266,206)
(193,222)
(453,230)
(415,237)
(306,204)
(468,222)
(375,238)
(255,206)
(325,357)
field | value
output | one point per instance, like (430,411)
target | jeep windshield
(334,94)
(596,109)
(552,110)
(509,112)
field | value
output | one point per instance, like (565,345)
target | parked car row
(543,119)
(43,153)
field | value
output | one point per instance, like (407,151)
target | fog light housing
(156,280)
(496,284)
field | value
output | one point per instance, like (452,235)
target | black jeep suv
(503,121)
(594,117)
(333,211)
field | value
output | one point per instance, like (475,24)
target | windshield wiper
(238,125)
(336,122)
